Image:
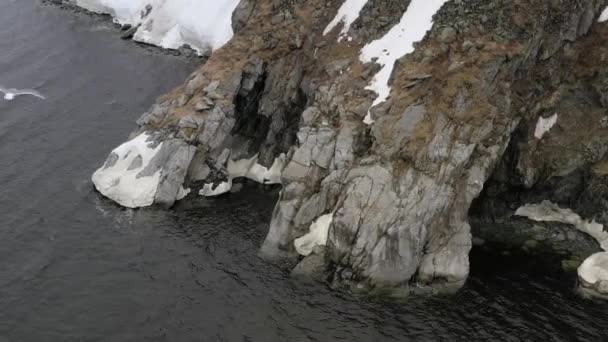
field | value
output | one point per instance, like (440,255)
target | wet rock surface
(537,237)
(459,124)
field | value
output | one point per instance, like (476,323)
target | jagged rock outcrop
(558,151)
(145,170)
(388,203)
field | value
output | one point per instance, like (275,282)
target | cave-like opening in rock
(498,233)
(249,125)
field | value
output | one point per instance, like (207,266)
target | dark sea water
(75,267)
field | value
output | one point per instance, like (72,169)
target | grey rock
(128,34)
(111,160)
(242,13)
(203,105)
(136,163)
(400,191)
(199,170)
(447,35)
(312,268)
(173,161)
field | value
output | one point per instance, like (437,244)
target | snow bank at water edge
(593,272)
(123,11)
(547,211)
(250,169)
(593,275)
(142,172)
(317,235)
(204,25)
(211,190)
(121,178)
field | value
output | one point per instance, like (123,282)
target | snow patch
(594,269)
(593,276)
(548,211)
(247,168)
(593,272)
(119,178)
(604,16)
(317,235)
(170,24)
(182,193)
(398,42)
(211,190)
(123,11)
(544,125)
(347,14)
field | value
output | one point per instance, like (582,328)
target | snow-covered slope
(398,42)
(170,24)
(347,14)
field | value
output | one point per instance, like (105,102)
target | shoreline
(185,53)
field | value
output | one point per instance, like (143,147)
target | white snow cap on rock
(347,14)
(250,169)
(119,178)
(593,272)
(123,11)
(544,125)
(547,211)
(317,235)
(398,42)
(595,268)
(209,190)
(202,24)
(604,16)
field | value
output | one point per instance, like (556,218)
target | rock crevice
(387,205)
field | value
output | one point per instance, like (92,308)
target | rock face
(144,171)
(506,94)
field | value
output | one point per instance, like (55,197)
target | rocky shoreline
(500,106)
(125,32)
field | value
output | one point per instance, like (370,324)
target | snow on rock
(593,272)
(544,125)
(347,14)
(593,275)
(121,179)
(123,11)
(548,211)
(398,42)
(182,193)
(317,235)
(203,25)
(211,190)
(250,169)
(604,16)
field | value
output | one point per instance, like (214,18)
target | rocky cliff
(384,121)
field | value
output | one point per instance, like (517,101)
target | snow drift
(121,177)
(203,25)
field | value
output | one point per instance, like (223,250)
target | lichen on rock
(285,99)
